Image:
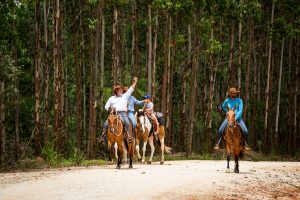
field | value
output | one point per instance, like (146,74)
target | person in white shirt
(119,102)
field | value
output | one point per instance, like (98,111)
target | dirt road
(174,180)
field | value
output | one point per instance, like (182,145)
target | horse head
(230,115)
(113,122)
(141,123)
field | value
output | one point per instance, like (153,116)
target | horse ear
(227,108)
(234,108)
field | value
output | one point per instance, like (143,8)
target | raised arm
(131,89)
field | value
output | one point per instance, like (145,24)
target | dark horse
(233,139)
(116,134)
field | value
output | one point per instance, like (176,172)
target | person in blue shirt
(232,101)
(130,107)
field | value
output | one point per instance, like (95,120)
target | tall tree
(278,97)
(266,125)
(149,43)
(37,80)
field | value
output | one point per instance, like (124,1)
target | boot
(246,146)
(129,136)
(217,145)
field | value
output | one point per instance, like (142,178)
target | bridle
(143,124)
(114,128)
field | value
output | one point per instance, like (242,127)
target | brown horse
(142,131)
(116,134)
(233,139)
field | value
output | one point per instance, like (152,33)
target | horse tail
(168,150)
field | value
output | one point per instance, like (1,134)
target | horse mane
(140,112)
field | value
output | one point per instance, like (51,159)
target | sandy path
(174,180)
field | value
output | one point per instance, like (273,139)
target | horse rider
(231,102)
(130,107)
(148,109)
(119,102)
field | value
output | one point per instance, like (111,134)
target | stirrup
(246,147)
(216,147)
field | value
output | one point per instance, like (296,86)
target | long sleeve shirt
(133,101)
(119,102)
(231,103)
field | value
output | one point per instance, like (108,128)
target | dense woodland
(59,57)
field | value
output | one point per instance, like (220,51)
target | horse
(233,139)
(142,132)
(116,134)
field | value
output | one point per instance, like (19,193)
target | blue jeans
(240,122)
(125,119)
(132,118)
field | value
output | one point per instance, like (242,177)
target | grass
(51,159)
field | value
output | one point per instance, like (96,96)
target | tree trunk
(169,83)
(37,79)
(240,50)
(92,131)
(183,92)
(115,47)
(212,76)
(193,97)
(165,76)
(296,109)
(2,126)
(78,69)
(231,76)
(278,99)
(102,66)
(58,69)
(248,73)
(46,63)
(134,45)
(266,130)
(154,57)
(149,42)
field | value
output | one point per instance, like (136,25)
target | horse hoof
(162,162)
(118,167)
(149,162)
(130,166)
(236,171)
(143,162)
(227,170)
(139,159)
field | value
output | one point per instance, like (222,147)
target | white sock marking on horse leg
(144,150)
(152,147)
(137,148)
(124,152)
(116,150)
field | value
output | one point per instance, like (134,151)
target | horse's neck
(147,123)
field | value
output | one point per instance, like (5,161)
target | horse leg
(137,148)
(124,152)
(236,160)
(162,147)
(228,157)
(116,150)
(131,152)
(120,155)
(144,150)
(152,149)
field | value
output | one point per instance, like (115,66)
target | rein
(117,127)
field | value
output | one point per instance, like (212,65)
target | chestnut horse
(142,131)
(233,139)
(116,134)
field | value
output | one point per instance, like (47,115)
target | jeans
(132,118)
(125,120)
(240,122)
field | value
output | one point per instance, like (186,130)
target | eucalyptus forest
(60,59)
